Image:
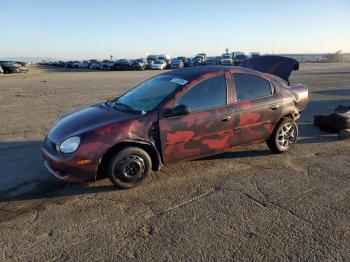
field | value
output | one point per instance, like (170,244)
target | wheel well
(292,116)
(107,156)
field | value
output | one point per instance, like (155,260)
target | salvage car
(159,65)
(212,61)
(69,64)
(95,65)
(239,57)
(139,64)
(12,67)
(161,121)
(106,65)
(183,59)
(199,60)
(122,64)
(176,64)
(84,64)
(226,59)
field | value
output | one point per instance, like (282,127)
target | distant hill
(28,59)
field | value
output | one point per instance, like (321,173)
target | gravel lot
(245,205)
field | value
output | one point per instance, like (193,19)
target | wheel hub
(130,168)
(286,135)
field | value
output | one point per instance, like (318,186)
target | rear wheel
(284,136)
(128,167)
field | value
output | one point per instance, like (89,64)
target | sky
(84,29)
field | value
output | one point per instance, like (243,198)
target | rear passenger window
(207,94)
(251,87)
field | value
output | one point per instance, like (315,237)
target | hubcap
(287,135)
(131,168)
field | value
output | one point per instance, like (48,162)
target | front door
(206,130)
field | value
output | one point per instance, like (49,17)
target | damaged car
(13,67)
(161,121)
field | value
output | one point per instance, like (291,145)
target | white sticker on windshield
(178,81)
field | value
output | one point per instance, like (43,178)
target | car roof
(191,73)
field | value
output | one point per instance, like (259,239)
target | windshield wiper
(127,108)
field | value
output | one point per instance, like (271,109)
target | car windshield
(226,56)
(159,62)
(149,94)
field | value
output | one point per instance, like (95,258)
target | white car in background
(226,59)
(159,65)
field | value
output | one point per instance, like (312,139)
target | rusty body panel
(173,139)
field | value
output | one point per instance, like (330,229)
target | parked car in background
(151,58)
(177,116)
(1,70)
(239,57)
(95,65)
(10,67)
(69,64)
(165,58)
(139,64)
(176,64)
(76,64)
(159,64)
(254,54)
(61,63)
(183,59)
(199,60)
(84,64)
(189,62)
(149,64)
(226,59)
(203,55)
(212,61)
(122,64)
(107,65)
(25,64)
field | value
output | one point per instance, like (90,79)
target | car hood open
(275,65)
(86,119)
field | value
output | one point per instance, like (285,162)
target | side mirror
(177,111)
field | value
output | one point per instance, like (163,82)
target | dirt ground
(245,205)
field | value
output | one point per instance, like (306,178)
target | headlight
(70,145)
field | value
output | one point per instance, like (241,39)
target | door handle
(226,118)
(274,107)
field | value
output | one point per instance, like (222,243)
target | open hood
(275,65)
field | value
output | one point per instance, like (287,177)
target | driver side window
(207,94)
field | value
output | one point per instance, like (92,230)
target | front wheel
(128,167)
(284,136)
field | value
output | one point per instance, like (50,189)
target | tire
(129,167)
(284,136)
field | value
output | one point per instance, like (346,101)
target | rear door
(207,129)
(256,108)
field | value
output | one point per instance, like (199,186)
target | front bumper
(66,167)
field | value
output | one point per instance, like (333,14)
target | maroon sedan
(176,116)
